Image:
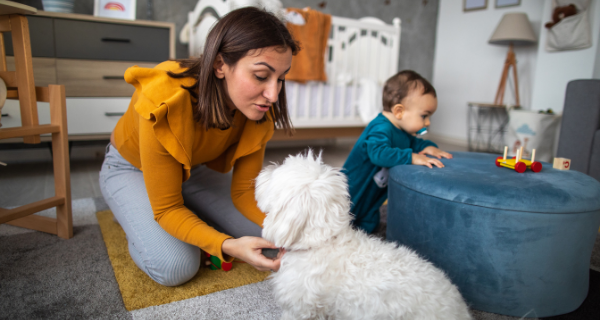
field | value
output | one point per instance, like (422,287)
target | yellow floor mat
(140,291)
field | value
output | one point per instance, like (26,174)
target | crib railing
(359,51)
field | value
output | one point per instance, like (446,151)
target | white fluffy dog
(332,271)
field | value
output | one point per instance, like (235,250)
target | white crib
(362,54)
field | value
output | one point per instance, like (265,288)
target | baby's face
(418,110)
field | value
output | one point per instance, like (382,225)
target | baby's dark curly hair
(399,86)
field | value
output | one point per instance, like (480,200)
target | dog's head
(306,202)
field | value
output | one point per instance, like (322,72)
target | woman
(190,121)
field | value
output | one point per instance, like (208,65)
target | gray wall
(419,21)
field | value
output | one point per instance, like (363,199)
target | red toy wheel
(536,166)
(226,266)
(498,162)
(520,167)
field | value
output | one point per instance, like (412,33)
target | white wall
(555,69)
(468,69)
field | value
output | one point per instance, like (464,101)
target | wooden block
(562,163)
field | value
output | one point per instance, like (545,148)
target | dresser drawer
(94,116)
(44,70)
(85,116)
(11,113)
(77,39)
(86,78)
(41,35)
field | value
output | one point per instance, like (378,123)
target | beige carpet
(139,291)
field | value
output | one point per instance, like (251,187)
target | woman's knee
(176,267)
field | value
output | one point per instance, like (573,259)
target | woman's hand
(248,249)
(424,160)
(435,152)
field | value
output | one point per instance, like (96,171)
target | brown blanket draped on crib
(309,63)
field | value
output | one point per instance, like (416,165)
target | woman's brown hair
(233,37)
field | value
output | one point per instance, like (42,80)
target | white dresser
(89,55)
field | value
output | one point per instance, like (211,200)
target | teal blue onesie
(381,145)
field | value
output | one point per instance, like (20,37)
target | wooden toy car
(517,163)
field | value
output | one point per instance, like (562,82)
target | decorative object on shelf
(470,5)
(121,9)
(518,163)
(32,3)
(561,163)
(513,29)
(560,13)
(65,6)
(507,3)
(569,31)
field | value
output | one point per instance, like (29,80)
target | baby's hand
(424,160)
(435,152)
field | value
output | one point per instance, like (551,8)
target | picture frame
(472,5)
(119,9)
(507,3)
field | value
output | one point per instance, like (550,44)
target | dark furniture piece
(580,130)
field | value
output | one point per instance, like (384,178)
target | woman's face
(254,82)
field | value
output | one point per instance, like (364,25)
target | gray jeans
(162,257)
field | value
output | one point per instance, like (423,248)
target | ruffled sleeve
(162,101)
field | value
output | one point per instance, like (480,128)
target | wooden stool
(21,86)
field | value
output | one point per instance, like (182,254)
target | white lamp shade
(513,28)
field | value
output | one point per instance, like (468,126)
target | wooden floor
(26,181)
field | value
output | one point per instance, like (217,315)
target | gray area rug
(45,277)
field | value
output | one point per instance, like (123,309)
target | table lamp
(513,29)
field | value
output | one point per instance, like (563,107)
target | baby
(389,140)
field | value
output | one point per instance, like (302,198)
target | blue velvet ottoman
(517,244)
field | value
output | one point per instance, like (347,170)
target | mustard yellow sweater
(159,136)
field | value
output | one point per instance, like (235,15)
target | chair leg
(60,158)
(24,67)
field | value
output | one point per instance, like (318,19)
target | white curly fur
(332,271)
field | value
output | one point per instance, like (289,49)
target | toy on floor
(562,163)
(517,163)
(216,263)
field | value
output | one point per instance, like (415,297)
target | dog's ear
(261,186)
(281,226)
(284,224)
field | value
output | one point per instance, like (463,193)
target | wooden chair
(21,86)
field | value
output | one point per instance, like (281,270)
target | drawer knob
(113,77)
(116,40)
(5,115)
(114,114)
